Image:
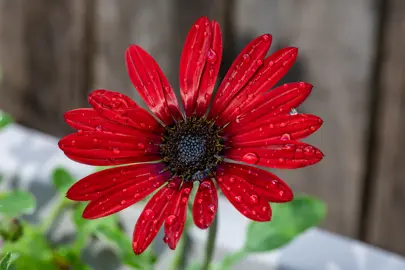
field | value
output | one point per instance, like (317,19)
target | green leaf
(16,203)
(231,259)
(66,258)
(86,227)
(123,245)
(5,262)
(288,221)
(5,119)
(62,180)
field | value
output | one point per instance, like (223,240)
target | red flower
(246,123)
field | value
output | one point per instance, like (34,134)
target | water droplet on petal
(80,131)
(212,208)
(212,56)
(266,37)
(123,202)
(143,125)
(149,214)
(116,151)
(281,193)
(170,220)
(259,62)
(246,58)
(265,208)
(254,199)
(238,198)
(232,180)
(309,150)
(199,201)
(166,239)
(285,137)
(184,200)
(271,63)
(196,26)
(302,85)
(141,146)
(250,158)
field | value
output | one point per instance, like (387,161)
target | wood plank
(386,214)
(42,53)
(335,39)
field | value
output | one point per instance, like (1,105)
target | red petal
(285,127)
(266,184)
(89,120)
(211,70)
(205,204)
(153,216)
(122,195)
(147,78)
(281,154)
(119,110)
(192,61)
(244,197)
(98,184)
(273,69)
(174,223)
(280,100)
(242,69)
(101,148)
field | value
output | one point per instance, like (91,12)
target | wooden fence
(52,52)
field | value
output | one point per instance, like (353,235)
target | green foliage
(123,246)
(289,220)
(5,119)
(62,180)
(16,203)
(5,262)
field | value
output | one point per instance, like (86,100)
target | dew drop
(250,158)
(285,137)
(293,111)
(141,146)
(95,140)
(238,199)
(237,110)
(254,199)
(281,160)
(186,191)
(206,96)
(212,56)
(285,63)
(246,58)
(184,200)
(232,180)
(265,208)
(196,26)
(199,201)
(302,85)
(143,125)
(266,37)
(80,131)
(281,193)
(116,151)
(73,142)
(309,150)
(259,62)
(166,239)
(170,220)
(212,208)
(271,126)
(99,128)
(149,214)
(123,201)
(271,63)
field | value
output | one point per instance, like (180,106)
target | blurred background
(53,52)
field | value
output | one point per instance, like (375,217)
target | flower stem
(179,259)
(210,247)
(50,219)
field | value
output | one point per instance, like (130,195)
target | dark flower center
(192,148)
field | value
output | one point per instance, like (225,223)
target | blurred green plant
(35,250)
(5,262)
(5,119)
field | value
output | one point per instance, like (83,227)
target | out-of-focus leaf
(123,246)
(66,258)
(86,227)
(62,180)
(33,249)
(288,221)
(5,262)
(5,119)
(16,203)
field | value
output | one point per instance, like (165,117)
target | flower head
(247,126)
